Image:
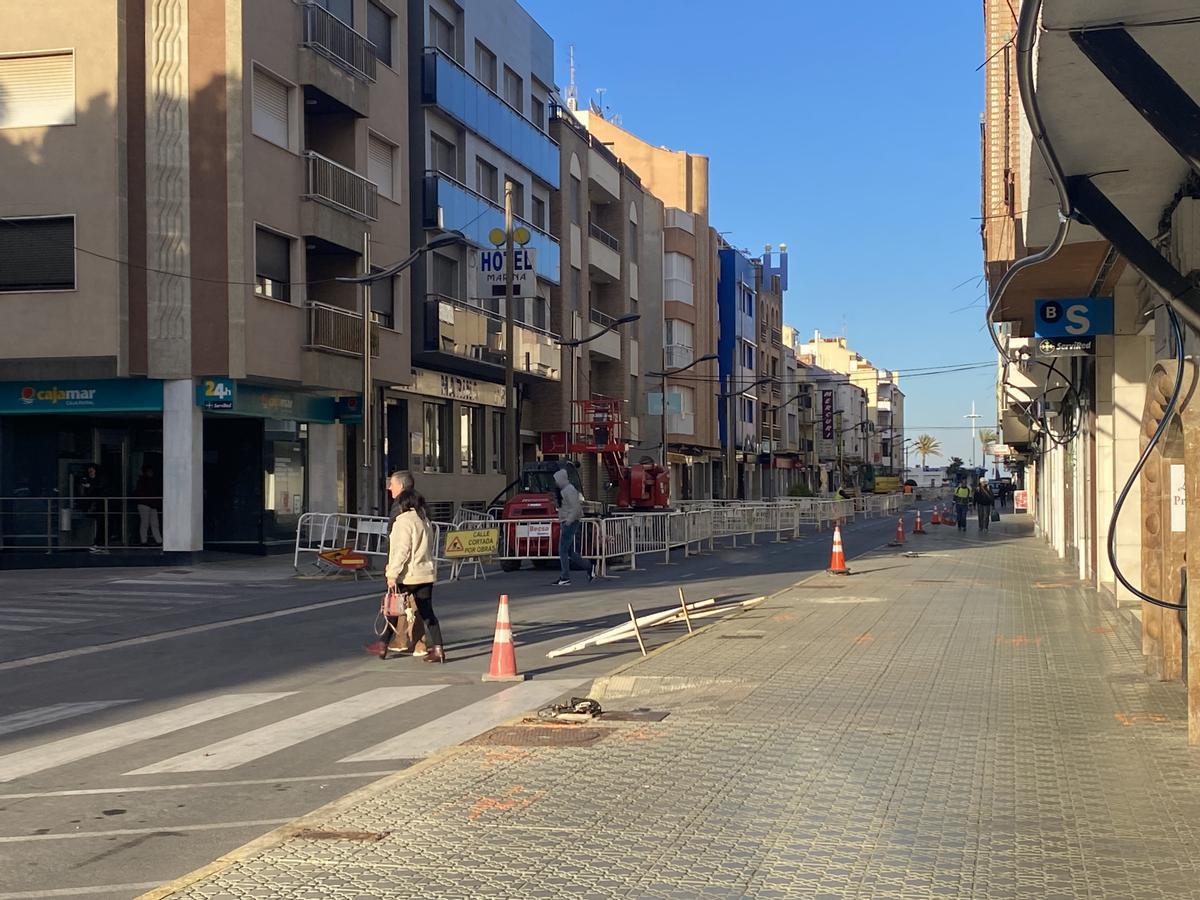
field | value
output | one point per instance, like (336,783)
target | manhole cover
(314,834)
(540,736)
(634,715)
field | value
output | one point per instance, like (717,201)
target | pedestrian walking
(410,568)
(984,501)
(570,512)
(962,497)
(91,486)
(149,504)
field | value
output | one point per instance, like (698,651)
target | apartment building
(481,74)
(739,362)
(612,271)
(801,416)
(183,187)
(689,275)
(770,281)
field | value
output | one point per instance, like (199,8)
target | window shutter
(380,156)
(37,90)
(271,114)
(37,255)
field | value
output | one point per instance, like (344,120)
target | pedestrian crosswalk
(140,738)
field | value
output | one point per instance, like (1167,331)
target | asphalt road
(152,721)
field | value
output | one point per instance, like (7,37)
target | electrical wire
(1163,425)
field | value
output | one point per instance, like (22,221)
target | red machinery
(597,427)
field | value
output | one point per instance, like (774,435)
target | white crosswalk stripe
(73,749)
(252,745)
(32,718)
(467,722)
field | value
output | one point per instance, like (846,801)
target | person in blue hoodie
(570,514)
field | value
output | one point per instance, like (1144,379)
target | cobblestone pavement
(968,723)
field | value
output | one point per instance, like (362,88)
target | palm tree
(927,446)
(987,438)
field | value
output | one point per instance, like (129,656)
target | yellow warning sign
(476,542)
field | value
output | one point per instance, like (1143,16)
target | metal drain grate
(540,736)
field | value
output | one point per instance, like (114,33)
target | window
(498,454)
(37,254)
(470,440)
(678,337)
(575,199)
(343,9)
(677,277)
(445,156)
(272,109)
(445,275)
(381,158)
(518,197)
(684,421)
(747,355)
(539,213)
(383,301)
(487,180)
(537,112)
(38,90)
(633,240)
(514,90)
(576,291)
(747,410)
(436,437)
(272,265)
(441,35)
(747,301)
(485,65)
(379,31)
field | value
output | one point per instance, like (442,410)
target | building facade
(184,187)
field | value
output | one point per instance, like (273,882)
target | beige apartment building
(690,272)
(185,180)
(610,229)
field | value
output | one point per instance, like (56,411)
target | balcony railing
(603,237)
(338,42)
(678,218)
(334,185)
(681,423)
(475,331)
(338,330)
(679,355)
(602,319)
(777,336)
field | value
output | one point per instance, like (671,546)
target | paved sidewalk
(968,723)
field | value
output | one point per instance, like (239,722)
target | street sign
(216,393)
(1066,346)
(1079,318)
(489,268)
(469,544)
(1001,450)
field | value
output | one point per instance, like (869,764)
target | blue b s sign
(1073,318)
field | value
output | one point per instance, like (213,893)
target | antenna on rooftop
(572,90)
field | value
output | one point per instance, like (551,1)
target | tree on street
(927,446)
(987,440)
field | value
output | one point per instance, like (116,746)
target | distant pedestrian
(570,514)
(410,568)
(962,498)
(984,501)
(91,488)
(149,503)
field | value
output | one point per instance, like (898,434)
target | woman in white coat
(410,568)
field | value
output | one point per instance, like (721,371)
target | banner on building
(827,415)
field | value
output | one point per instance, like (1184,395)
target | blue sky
(848,131)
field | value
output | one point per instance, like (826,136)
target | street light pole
(510,419)
(367,492)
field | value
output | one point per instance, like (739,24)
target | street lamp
(579,342)
(664,374)
(730,442)
(366,280)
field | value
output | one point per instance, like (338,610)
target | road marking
(144,788)
(178,632)
(32,718)
(467,722)
(90,891)
(93,743)
(164,829)
(260,742)
(20,627)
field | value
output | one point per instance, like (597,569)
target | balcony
(341,188)
(776,337)
(603,176)
(608,344)
(458,94)
(678,218)
(450,205)
(337,330)
(476,332)
(604,253)
(678,355)
(681,423)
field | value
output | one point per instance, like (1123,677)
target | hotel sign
(454,387)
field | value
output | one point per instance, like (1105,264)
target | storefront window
(470,438)
(285,460)
(437,437)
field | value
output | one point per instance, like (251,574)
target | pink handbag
(392,604)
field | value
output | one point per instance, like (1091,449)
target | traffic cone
(898,540)
(837,562)
(935,519)
(947,519)
(918,528)
(504,655)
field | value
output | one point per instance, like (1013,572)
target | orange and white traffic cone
(936,518)
(837,562)
(946,518)
(898,540)
(504,655)
(918,528)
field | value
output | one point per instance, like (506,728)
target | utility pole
(512,466)
(973,416)
(367,492)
